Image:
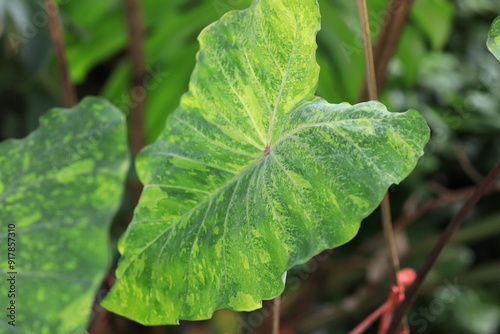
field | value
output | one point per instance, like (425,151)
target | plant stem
(397,13)
(372,89)
(56,35)
(360,259)
(367,45)
(389,235)
(137,63)
(135,118)
(443,241)
(276,314)
(138,93)
(102,324)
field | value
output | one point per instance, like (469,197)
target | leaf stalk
(373,95)
(57,37)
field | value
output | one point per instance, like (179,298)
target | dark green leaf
(60,187)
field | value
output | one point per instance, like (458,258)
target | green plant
(252,175)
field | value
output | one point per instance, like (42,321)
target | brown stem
(102,324)
(56,35)
(445,238)
(276,314)
(443,200)
(389,236)
(138,92)
(137,63)
(103,315)
(372,88)
(367,46)
(137,103)
(397,13)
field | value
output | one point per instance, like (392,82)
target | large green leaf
(494,38)
(59,189)
(253,174)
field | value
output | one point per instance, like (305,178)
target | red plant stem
(363,326)
(56,35)
(443,241)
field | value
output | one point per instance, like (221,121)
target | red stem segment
(445,238)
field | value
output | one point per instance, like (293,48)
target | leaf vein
(201,134)
(247,111)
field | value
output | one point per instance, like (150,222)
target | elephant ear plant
(253,174)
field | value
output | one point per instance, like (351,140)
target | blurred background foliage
(441,68)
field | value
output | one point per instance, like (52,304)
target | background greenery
(441,68)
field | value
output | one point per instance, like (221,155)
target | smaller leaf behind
(60,186)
